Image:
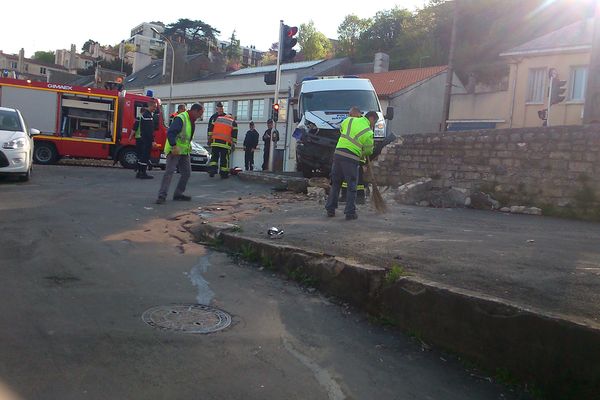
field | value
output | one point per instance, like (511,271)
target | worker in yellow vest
(355,143)
(361,187)
(178,148)
(222,137)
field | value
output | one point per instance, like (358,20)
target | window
(13,64)
(225,106)
(26,67)
(536,85)
(209,109)
(42,70)
(578,83)
(241,110)
(258,109)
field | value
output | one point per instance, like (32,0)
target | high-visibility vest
(356,138)
(222,131)
(184,137)
(138,131)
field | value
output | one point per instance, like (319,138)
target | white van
(322,106)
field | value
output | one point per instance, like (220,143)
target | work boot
(143,174)
(350,217)
(181,197)
(137,169)
(160,200)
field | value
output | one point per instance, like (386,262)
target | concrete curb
(559,356)
(282,182)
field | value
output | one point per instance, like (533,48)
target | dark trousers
(265,164)
(343,169)
(219,160)
(249,160)
(143,147)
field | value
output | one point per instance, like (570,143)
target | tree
(270,57)
(197,34)
(87,45)
(44,56)
(349,33)
(233,52)
(315,45)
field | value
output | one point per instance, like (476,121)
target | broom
(378,201)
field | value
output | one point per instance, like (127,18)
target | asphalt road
(84,252)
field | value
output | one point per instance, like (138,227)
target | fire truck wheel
(44,153)
(128,158)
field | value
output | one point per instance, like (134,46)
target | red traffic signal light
(292,31)
(288,41)
(557,91)
(276,107)
(275,114)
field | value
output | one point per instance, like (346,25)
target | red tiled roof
(387,83)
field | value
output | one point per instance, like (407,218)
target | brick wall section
(557,166)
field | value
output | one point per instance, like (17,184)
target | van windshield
(340,100)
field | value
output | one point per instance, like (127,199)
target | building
(415,94)
(16,65)
(72,61)
(250,57)
(565,51)
(243,93)
(148,44)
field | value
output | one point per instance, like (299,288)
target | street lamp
(172,63)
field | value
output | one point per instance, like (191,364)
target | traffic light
(557,91)
(288,41)
(270,78)
(275,113)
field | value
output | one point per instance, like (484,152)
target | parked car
(16,151)
(199,157)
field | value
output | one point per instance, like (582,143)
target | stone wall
(557,168)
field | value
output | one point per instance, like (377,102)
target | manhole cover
(187,318)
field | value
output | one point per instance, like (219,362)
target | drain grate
(187,318)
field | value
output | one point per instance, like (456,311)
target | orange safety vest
(222,129)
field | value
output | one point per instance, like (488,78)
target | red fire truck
(79,122)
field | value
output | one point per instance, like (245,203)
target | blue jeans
(343,169)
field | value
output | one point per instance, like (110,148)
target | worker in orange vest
(222,137)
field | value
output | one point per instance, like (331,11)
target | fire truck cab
(79,122)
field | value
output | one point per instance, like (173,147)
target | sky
(50,25)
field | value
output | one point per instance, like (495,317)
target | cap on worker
(219,104)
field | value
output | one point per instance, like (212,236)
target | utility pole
(276,97)
(448,89)
(591,108)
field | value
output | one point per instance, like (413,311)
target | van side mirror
(296,118)
(33,132)
(389,113)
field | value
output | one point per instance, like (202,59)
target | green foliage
(249,253)
(87,45)
(394,274)
(270,57)
(44,56)
(233,52)
(197,34)
(302,277)
(486,28)
(315,45)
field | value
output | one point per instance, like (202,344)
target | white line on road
(334,391)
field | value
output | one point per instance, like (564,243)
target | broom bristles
(378,201)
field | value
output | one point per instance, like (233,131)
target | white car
(16,144)
(199,158)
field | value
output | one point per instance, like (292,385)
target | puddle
(205,294)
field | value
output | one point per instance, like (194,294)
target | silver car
(16,144)
(199,158)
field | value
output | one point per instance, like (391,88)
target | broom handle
(371,173)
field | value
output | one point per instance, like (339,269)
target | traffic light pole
(549,100)
(276,97)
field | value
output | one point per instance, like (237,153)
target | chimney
(73,59)
(21,61)
(381,63)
